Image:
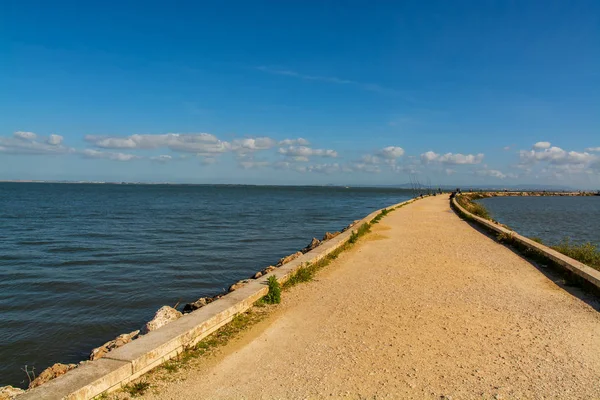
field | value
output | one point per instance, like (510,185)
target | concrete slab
(82,383)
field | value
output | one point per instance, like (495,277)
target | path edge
(588,275)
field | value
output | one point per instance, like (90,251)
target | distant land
(410,186)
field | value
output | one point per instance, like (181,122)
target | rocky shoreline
(162,317)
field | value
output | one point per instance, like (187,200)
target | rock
(9,392)
(289,258)
(328,235)
(350,226)
(121,340)
(201,302)
(50,373)
(258,275)
(270,268)
(162,317)
(314,243)
(237,285)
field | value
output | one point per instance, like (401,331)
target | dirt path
(424,307)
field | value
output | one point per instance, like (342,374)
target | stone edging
(588,274)
(132,360)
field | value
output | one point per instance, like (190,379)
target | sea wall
(588,275)
(124,364)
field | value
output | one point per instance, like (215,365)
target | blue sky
(301,92)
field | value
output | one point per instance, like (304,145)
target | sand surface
(425,306)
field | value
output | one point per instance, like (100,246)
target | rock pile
(119,341)
(328,235)
(238,285)
(50,373)
(289,258)
(314,243)
(201,302)
(9,392)
(264,272)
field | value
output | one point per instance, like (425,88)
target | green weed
(505,237)
(586,253)
(137,388)
(274,295)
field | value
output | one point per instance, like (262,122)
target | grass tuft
(505,237)
(382,214)
(274,295)
(586,253)
(474,208)
(137,388)
(303,274)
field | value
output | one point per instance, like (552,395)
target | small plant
(382,214)
(171,366)
(274,295)
(137,388)
(353,237)
(586,253)
(537,240)
(479,210)
(466,201)
(303,274)
(505,237)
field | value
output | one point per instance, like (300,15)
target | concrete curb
(588,274)
(129,362)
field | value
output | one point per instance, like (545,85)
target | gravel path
(424,307)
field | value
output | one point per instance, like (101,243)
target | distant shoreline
(486,189)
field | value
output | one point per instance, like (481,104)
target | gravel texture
(425,306)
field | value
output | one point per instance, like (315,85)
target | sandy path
(424,307)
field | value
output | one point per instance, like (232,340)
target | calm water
(549,218)
(80,264)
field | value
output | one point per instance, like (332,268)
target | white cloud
(556,155)
(391,152)
(506,148)
(294,142)
(300,159)
(183,142)
(593,149)
(26,143)
(303,151)
(542,145)
(370,159)
(252,144)
(494,173)
(451,159)
(163,158)
(324,168)
(90,153)
(25,135)
(54,140)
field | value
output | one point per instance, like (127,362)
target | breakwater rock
(50,373)
(119,341)
(9,392)
(162,317)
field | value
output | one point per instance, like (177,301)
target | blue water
(82,263)
(550,218)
